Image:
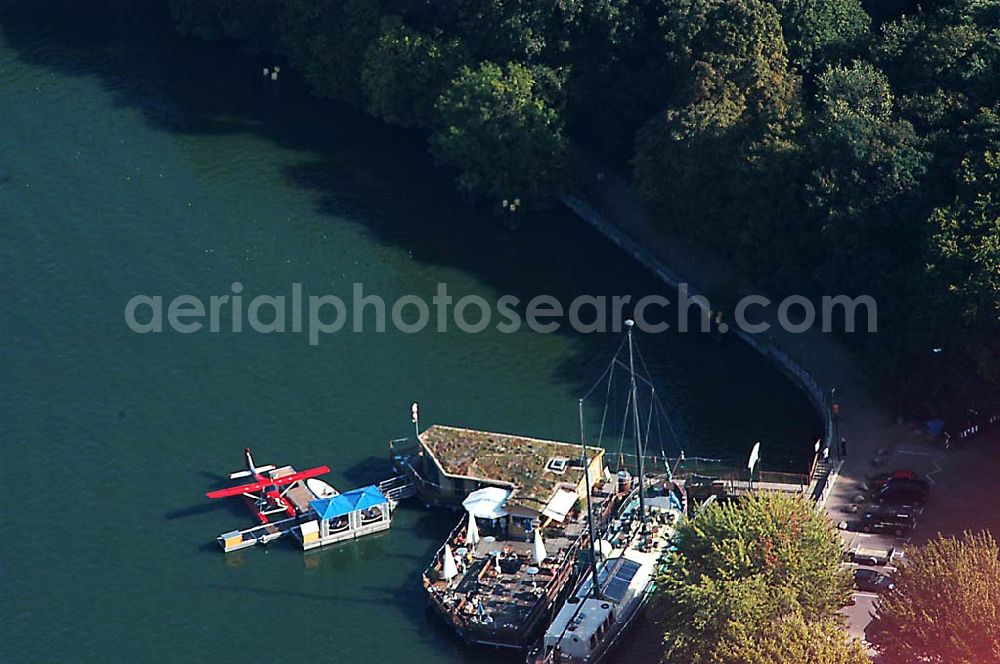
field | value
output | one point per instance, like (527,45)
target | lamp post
(937,386)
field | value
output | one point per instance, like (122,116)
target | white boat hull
(320,489)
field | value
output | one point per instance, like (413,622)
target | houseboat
(516,552)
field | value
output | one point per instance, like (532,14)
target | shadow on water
(375,596)
(218,479)
(356,168)
(194,510)
(370,470)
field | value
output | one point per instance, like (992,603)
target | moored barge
(516,554)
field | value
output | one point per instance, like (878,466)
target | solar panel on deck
(624,571)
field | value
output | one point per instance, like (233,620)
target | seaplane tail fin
(252,468)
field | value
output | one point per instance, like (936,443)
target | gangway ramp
(265,533)
(397,488)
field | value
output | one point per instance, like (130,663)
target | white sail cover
(450,570)
(472,534)
(487,503)
(538,551)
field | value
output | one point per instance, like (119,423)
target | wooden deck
(500,597)
(299,496)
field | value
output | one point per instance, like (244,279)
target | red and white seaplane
(266,495)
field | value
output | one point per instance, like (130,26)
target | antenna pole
(594,585)
(638,427)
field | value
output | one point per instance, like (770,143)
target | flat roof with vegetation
(515,460)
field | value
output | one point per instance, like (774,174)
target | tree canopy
(405,71)
(794,640)
(768,564)
(866,163)
(945,608)
(327,40)
(735,98)
(820,32)
(501,128)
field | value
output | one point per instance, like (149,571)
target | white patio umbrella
(538,551)
(473,531)
(449,569)
(487,503)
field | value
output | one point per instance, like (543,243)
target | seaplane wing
(238,490)
(301,475)
(263,485)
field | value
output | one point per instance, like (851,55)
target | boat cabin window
(372,514)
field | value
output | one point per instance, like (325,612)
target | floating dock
(315,513)
(324,521)
(349,515)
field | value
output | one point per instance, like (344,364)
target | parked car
(897,476)
(901,492)
(889,519)
(872,580)
(872,555)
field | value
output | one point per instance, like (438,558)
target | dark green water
(132,161)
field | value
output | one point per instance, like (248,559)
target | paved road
(964,481)
(859,615)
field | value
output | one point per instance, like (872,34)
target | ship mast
(638,427)
(594,581)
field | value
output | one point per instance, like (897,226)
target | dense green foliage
(762,572)
(501,131)
(404,73)
(863,161)
(818,31)
(735,99)
(794,640)
(946,605)
(823,151)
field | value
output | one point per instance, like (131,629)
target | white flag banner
(754,456)
(449,570)
(538,552)
(472,534)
